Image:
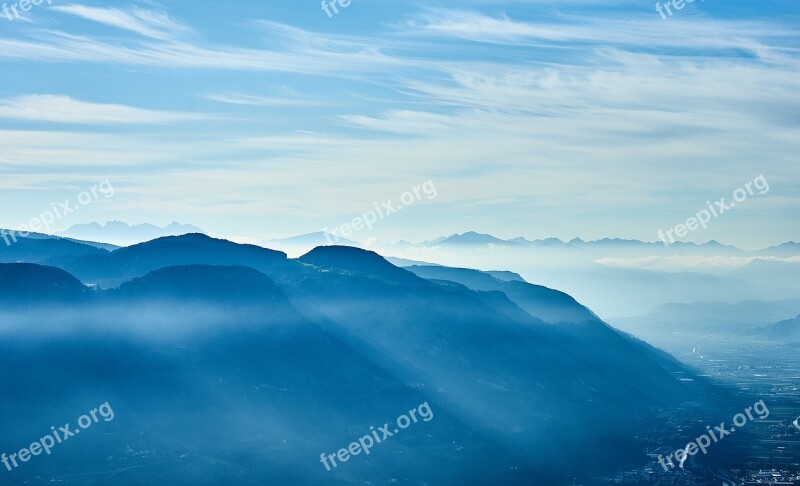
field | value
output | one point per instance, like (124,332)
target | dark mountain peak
(196,242)
(355,260)
(25,283)
(191,249)
(187,237)
(124,234)
(237,284)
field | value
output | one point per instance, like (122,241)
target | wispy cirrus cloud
(766,40)
(149,23)
(64,109)
(161,43)
(283,98)
(577,117)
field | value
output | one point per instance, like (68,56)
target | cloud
(689,262)
(64,109)
(611,125)
(581,31)
(288,98)
(149,23)
(293,49)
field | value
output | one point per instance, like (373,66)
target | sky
(534,118)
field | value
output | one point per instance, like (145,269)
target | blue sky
(533,118)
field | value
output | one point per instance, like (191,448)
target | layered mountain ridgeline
(45,250)
(114,268)
(472,239)
(301,244)
(27,284)
(12,237)
(109,269)
(712,318)
(787,331)
(122,233)
(217,395)
(547,304)
(279,358)
(589,332)
(766,272)
(495,363)
(618,277)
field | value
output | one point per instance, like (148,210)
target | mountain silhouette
(122,233)
(310,241)
(429,330)
(546,304)
(263,349)
(112,269)
(26,284)
(46,250)
(228,284)
(787,331)
(347,259)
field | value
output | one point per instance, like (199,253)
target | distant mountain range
(787,331)
(617,277)
(750,317)
(614,277)
(773,320)
(474,239)
(123,234)
(765,272)
(282,357)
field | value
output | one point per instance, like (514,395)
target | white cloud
(689,262)
(616,125)
(64,109)
(287,98)
(293,50)
(149,23)
(640,31)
